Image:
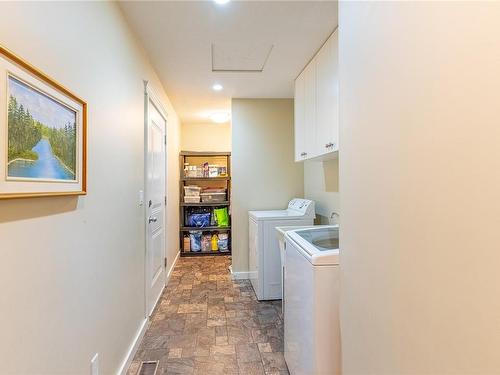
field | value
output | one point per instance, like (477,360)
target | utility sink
(326,243)
(323,238)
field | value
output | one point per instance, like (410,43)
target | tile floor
(206,323)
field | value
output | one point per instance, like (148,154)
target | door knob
(152,219)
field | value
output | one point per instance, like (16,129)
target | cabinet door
(327,97)
(299,117)
(310,110)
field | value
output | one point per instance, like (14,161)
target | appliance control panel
(305,206)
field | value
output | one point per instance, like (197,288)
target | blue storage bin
(199,220)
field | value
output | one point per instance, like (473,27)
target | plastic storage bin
(213,197)
(192,191)
(223,242)
(199,220)
(195,238)
(206,242)
(214,190)
(192,199)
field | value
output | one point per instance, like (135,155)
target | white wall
(321,184)
(206,137)
(264,175)
(72,269)
(420,183)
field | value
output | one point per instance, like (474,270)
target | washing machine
(263,253)
(312,288)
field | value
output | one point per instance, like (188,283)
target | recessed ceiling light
(220,117)
(221,2)
(217,87)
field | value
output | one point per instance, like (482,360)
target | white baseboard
(171,269)
(142,330)
(239,275)
(133,347)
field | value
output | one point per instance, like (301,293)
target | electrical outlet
(94,365)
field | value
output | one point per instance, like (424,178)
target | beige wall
(206,137)
(264,173)
(72,269)
(321,184)
(420,183)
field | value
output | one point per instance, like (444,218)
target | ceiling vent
(239,57)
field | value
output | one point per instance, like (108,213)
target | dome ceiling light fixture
(217,87)
(220,117)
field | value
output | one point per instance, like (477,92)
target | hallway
(206,323)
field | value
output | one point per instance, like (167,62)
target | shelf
(203,253)
(227,178)
(204,229)
(205,204)
(204,153)
(198,158)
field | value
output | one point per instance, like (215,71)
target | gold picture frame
(17,176)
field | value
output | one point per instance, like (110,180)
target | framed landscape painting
(43,128)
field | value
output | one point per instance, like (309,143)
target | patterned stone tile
(247,353)
(222,349)
(221,340)
(189,308)
(182,366)
(264,347)
(251,368)
(273,362)
(207,324)
(217,364)
(175,353)
(221,331)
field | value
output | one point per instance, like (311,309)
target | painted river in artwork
(46,167)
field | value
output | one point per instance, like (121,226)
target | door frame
(149,95)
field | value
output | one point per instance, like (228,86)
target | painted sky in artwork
(44,109)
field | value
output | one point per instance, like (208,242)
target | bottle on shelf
(215,242)
(187,244)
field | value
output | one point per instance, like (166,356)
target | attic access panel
(240,57)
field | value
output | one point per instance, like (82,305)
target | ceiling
(255,49)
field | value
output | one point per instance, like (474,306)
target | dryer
(263,250)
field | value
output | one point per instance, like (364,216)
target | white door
(155,203)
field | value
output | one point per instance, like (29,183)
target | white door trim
(149,95)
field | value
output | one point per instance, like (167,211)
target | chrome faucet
(332,217)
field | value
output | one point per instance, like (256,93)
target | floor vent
(148,368)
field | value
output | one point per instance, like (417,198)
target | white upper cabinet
(300,118)
(305,114)
(317,104)
(327,96)
(310,111)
